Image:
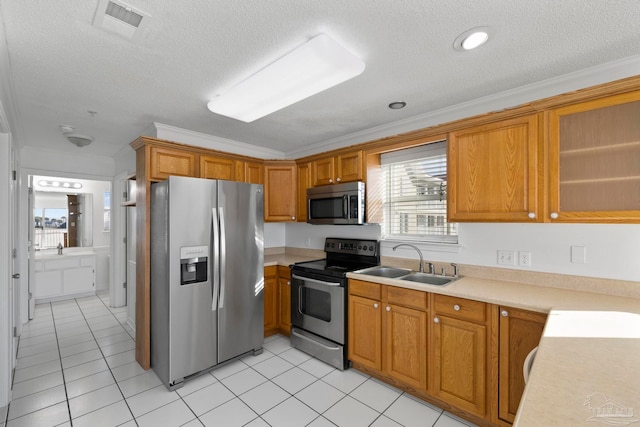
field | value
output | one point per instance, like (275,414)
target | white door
(32,253)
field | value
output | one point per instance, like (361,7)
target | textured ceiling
(62,67)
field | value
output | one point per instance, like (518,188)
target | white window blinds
(415,196)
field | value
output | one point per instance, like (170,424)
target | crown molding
(185,136)
(581,79)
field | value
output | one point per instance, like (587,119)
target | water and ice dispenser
(193,264)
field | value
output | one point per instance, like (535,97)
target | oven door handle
(293,332)
(319,282)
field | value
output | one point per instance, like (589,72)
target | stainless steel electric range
(319,298)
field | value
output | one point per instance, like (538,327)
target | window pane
(415,200)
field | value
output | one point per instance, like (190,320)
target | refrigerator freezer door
(240,307)
(183,326)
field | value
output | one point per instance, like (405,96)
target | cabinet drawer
(365,289)
(460,308)
(407,297)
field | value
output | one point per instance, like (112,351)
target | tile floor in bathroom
(76,366)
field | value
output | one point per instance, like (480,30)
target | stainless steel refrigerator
(207,275)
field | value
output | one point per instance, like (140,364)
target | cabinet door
(594,158)
(459,363)
(493,172)
(349,167)
(365,332)
(253,173)
(78,280)
(280,192)
(405,352)
(520,332)
(284,292)
(323,171)
(217,168)
(304,182)
(270,305)
(165,162)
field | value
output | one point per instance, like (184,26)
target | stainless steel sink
(428,279)
(382,271)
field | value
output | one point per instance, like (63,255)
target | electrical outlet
(307,242)
(578,254)
(506,257)
(524,258)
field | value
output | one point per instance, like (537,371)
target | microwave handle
(345,206)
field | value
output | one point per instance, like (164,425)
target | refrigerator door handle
(223,257)
(215,269)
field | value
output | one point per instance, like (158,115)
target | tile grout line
(108,366)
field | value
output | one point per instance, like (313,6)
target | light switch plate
(506,257)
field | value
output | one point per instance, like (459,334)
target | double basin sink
(408,275)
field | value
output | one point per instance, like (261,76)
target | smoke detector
(120,18)
(76,139)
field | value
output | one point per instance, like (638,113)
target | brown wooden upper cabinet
(212,167)
(337,169)
(280,191)
(253,172)
(594,160)
(304,182)
(493,172)
(165,162)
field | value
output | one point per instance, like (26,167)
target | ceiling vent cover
(119,18)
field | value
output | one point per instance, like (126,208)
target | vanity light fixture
(60,184)
(317,65)
(472,38)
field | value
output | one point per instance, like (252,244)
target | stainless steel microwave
(336,204)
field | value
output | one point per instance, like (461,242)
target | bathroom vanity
(59,277)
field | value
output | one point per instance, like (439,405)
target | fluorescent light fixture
(473,38)
(315,66)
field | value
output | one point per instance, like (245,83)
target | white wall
(5,275)
(612,250)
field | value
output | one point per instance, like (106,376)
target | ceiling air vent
(120,18)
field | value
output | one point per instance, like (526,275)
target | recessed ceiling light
(472,38)
(397,105)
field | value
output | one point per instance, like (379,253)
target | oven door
(318,306)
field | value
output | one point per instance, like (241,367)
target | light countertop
(587,368)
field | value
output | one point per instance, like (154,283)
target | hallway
(76,366)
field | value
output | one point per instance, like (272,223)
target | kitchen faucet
(419,254)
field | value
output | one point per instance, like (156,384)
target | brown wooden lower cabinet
(284,300)
(463,355)
(387,336)
(277,300)
(270,300)
(520,332)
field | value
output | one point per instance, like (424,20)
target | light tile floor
(76,366)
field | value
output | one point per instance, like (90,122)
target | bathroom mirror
(70,212)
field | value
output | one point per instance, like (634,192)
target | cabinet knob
(436,320)
(330,180)
(532,215)
(504,313)
(288,282)
(456,307)
(376,305)
(338,179)
(293,218)
(388,308)
(554,215)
